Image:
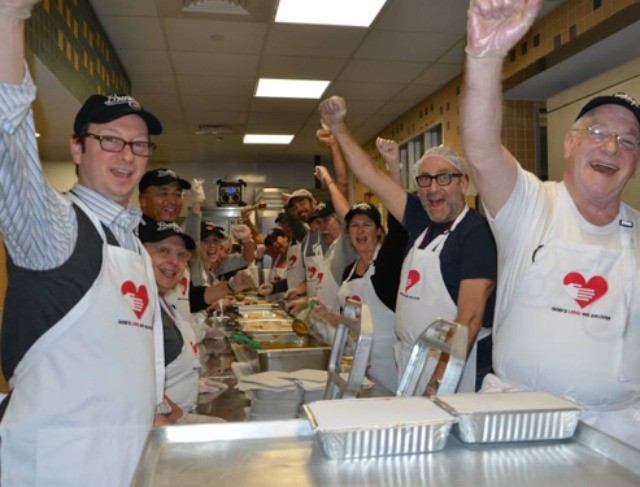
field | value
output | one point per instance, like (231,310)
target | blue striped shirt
(38,225)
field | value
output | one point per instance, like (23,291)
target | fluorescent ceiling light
(291,88)
(267,139)
(354,13)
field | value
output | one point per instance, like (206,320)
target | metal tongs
(446,337)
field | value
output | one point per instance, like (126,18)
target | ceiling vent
(210,129)
(224,7)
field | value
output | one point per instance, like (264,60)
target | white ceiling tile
(364,91)
(217,86)
(439,74)
(313,41)
(425,16)
(156,84)
(393,45)
(215,117)
(214,64)
(284,105)
(137,8)
(137,62)
(381,71)
(134,32)
(300,67)
(215,36)
(212,101)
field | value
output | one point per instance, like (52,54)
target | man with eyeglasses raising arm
(450,269)
(81,337)
(568,303)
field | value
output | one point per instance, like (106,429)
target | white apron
(178,297)
(84,395)
(323,285)
(423,298)
(312,265)
(295,266)
(181,384)
(278,273)
(566,327)
(382,365)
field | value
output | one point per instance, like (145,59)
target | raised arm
(340,202)
(333,111)
(493,28)
(339,166)
(390,152)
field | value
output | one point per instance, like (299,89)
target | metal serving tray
(286,454)
(246,316)
(511,416)
(268,325)
(292,359)
(378,427)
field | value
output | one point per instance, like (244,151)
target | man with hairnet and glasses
(450,269)
(81,336)
(568,299)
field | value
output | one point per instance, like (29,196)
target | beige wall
(563,108)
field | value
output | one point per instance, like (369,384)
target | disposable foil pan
(266,325)
(511,416)
(378,427)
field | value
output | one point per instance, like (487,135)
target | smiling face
(597,171)
(162,203)
(167,267)
(364,234)
(442,203)
(281,244)
(329,228)
(211,251)
(303,208)
(114,175)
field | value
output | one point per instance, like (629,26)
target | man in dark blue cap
(81,337)
(568,302)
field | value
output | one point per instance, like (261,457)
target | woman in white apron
(422,298)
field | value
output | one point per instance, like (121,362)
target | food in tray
(511,416)
(362,428)
(275,325)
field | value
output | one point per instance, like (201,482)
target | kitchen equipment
(441,336)
(355,323)
(277,453)
(291,359)
(301,327)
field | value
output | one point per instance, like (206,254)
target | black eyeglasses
(110,143)
(443,179)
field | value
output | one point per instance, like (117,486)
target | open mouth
(121,172)
(604,168)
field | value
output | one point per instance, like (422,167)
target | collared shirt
(38,224)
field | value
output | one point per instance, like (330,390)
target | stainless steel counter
(286,453)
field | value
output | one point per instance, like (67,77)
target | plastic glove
(260,250)
(265,289)
(390,152)
(197,191)
(323,175)
(296,306)
(292,293)
(19,9)
(323,313)
(241,232)
(495,26)
(333,111)
(242,281)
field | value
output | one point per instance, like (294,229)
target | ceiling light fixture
(221,7)
(291,88)
(267,139)
(352,13)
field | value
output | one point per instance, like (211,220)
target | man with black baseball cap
(567,311)
(81,336)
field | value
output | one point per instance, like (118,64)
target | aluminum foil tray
(261,314)
(511,416)
(266,325)
(364,428)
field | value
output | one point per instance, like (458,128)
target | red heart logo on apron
(292,260)
(354,298)
(194,347)
(582,291)
(138,297)
(320,276)
(412,279)
(183,285)
(312,271)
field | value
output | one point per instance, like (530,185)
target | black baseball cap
(323,209)
(364,209)
(282,215)
(160,177)
(277,232)
(153,231)
(620,99)
(106,108)
(208,228)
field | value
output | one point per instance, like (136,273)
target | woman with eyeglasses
(170,249)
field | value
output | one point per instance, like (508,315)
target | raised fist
(333,111)
(241,232)
(197,191)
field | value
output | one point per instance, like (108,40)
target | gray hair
(446,153)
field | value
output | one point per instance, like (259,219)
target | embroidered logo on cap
(113,100)
(166,172)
